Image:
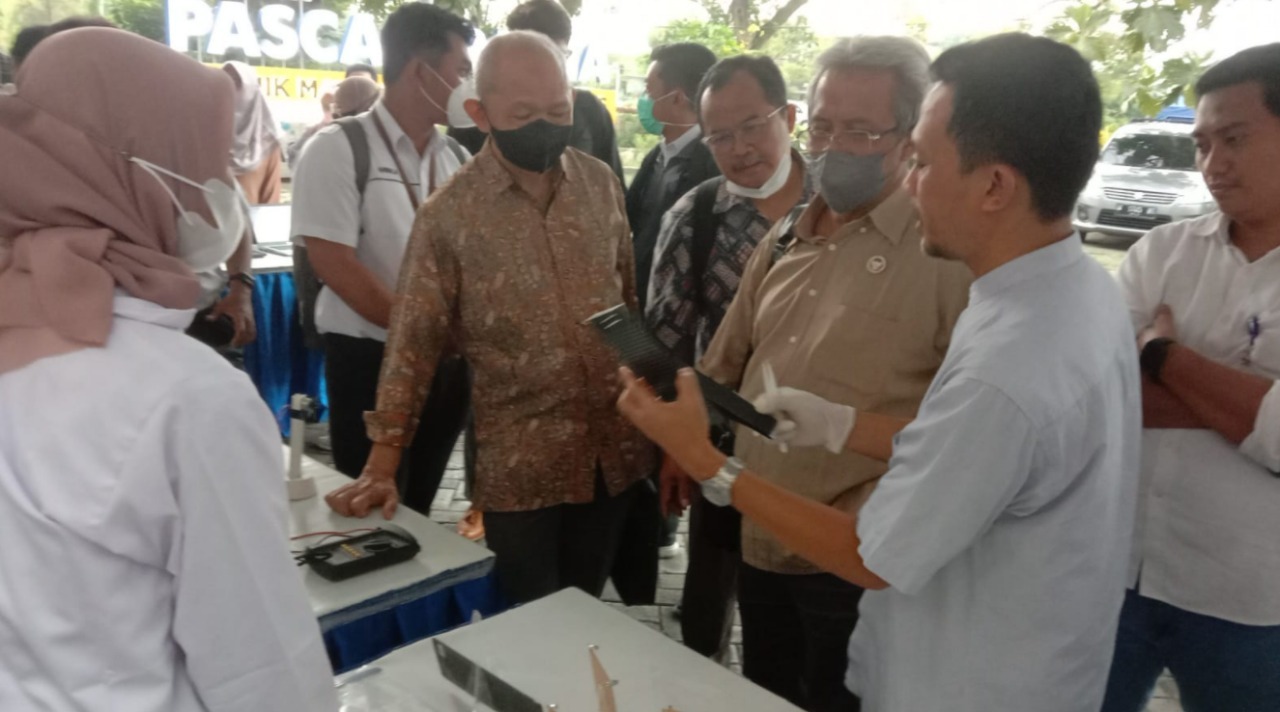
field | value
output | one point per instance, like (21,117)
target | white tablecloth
(269,263)
(446,559)
(542,650)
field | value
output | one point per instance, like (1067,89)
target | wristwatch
(1153,356)
(243,278)
(719,489)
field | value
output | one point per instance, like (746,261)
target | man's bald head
(521,79)
(514,58)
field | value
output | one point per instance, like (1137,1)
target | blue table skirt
(278,362)
(356,643)
(280,365)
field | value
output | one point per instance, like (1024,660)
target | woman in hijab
(256,155)
(141,507)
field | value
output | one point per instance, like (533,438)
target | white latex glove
(805,420)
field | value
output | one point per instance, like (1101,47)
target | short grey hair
(515,39)
(906,58)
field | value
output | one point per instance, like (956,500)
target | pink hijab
(256,133)
(81,220)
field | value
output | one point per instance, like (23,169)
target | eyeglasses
(851,140)
(751,131)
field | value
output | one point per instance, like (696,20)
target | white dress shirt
(1004,522)
(672,149)
(1208,537)
(327,205)
(142,512)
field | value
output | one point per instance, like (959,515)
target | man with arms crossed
(1204,295)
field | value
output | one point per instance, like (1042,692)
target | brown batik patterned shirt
(488,274)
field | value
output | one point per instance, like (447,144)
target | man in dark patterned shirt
(746,123)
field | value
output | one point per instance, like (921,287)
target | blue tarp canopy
(1177,113)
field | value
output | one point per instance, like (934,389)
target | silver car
(1146,177)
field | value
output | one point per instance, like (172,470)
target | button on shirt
(673,311)
(142,510)
(327,205)
(1208,537)
(1004,522)
(511,286)
(830,325)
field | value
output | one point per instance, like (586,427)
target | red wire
(346,533)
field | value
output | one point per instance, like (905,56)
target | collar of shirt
(1217,226)
(678,146)
(726,201)
(1220,228)
(497,175)
(892,219)
(1050,258)
(134,309)
(397,135)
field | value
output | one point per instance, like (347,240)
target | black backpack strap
(359,141)
(705,227)
(787,228)
(306,283)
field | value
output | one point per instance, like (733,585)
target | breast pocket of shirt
(1264,355)
(851,359)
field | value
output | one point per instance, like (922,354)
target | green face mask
(644,110)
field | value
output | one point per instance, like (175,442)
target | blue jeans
(1219,666)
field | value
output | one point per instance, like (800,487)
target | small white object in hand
(771,387)
(806,420)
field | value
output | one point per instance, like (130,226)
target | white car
(1145,177)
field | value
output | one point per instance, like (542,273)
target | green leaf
(1158,25)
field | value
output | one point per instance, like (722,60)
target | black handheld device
(361,554)
(653,362)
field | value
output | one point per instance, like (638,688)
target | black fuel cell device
(378,549)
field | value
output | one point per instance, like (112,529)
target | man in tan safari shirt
(849,308)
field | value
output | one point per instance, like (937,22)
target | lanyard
(404,177)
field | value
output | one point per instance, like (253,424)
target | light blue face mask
(847,181)
(644,111)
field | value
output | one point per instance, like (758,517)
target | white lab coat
(142,519)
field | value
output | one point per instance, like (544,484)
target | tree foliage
(144,17)
(17,14)
(1133,45)
(487,15)
(793,46)
(753,22)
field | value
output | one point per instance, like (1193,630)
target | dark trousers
(795,636)
(545,550)
(706,607)
(1219,666)
(351,369)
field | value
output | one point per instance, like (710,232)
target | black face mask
(535,147)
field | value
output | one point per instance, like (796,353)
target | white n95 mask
(201,246)
(458,117)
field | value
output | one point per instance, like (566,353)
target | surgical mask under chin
(456,110)
(847,181)
(770,187)
(201,246)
